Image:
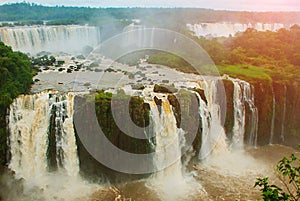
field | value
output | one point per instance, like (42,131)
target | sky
(248,5)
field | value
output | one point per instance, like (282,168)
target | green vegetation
(164,89)
(15,78)
(288,172)
(139,113)
(244,71)
(43,61)
(249,55)
(170,60)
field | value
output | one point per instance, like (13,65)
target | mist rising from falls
(69,39)
(217,151)
(171,183)
(42,123)
(227,29)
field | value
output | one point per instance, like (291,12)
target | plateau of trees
(252,54)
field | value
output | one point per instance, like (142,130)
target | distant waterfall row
(69,39)
(42,136)
(227,29)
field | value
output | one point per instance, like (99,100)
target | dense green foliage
(170,60)
(16,75)
(288,172)
(249,55)
(15,78)
(138,111)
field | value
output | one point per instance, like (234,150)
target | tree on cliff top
(15,78)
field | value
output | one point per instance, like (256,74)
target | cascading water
(249,98)
(283,115)
(29,120)
(30,126)
(227,29)
(213,134)
(168,138)
(66,148)
(70,39)
(239,116)
(223,159)
(273,117)
(205,119)
(34,117)
(171,183)
(243,93)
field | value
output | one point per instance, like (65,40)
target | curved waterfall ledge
(177,124)
(69,39)
(42,131)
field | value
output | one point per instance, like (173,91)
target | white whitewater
(227,29)
(243,94)
(213,133)
(29,124)
(205,120)
(273,117)
(29,120)
(221,157)
(239,117)
(66,147)
(34,39)
(171,182)
(249,98)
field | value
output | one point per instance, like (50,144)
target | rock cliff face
(278,112)
(257,114)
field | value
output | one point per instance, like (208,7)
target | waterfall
(223,158)
(66,148)
(171,182)
(169,139)
(227,29)
(243,93)
(205,120)
(239,116)
(273,117)
(34,39)
(213,134)
(29,123)
(249,98)
(283,114)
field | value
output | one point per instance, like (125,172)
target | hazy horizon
(232,5)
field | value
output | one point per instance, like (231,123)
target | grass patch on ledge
(244,71)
